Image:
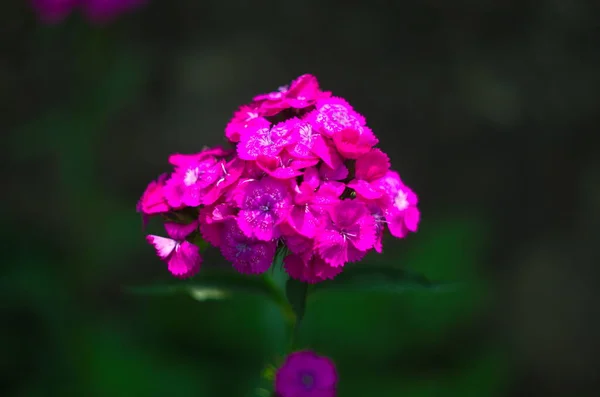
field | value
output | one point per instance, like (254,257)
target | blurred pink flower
(306,374)
(96,11)
(54,11)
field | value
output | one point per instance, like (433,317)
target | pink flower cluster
(303,175)
(96,11)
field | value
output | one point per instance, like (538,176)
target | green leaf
(296,292)
(379,278)
(217,284)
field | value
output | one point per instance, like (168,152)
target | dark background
(487,108)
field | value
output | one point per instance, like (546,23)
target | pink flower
(183,160)
(306,374)
(273,96)
(380,223)
(369,168)
(283,166)
(304,91)
(295,242)
(311,177)
(399,205)
(352,143)
(347,234)
(327,173)
(248,255)
(103,11)
(153,200)
(242,120)
(309,208)
(304,139)
(310,268)
(226,175)
(263,205)
(324,149)
(262,139)
(182,257)
(96,11)
(252,171)
(187,185)
(212,222)
(272,103)
(334,114)
(276,167)
(301,93)
(54,11)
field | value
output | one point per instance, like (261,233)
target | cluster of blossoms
(306,374)
(303,175)
(96,11)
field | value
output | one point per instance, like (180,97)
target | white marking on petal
(401,200)
(191,176)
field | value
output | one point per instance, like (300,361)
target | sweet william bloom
(380,223)
(182,257)
(304,138)
(295,242)
(243,119)
(349,231)
(182,160)
(263,204)
(248,255)
(212,222)
(96,11)
(310,268)
(153,200)
(334,114)
(369,168)
(262,139)
(187,185)
(311,177)
(54,11)
(272,103)
(399,205)
(327,173)
(103,11)
(352,143)
(277,167)
(304,91)
(306,143)
(301,93)
(227,174)
(283,166)
(306,374)
(325,150)
(309,208)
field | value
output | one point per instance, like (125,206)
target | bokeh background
(487,108)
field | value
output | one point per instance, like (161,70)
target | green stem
(292,329)
(296,293)
(287,311)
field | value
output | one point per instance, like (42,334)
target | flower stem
(296,293)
